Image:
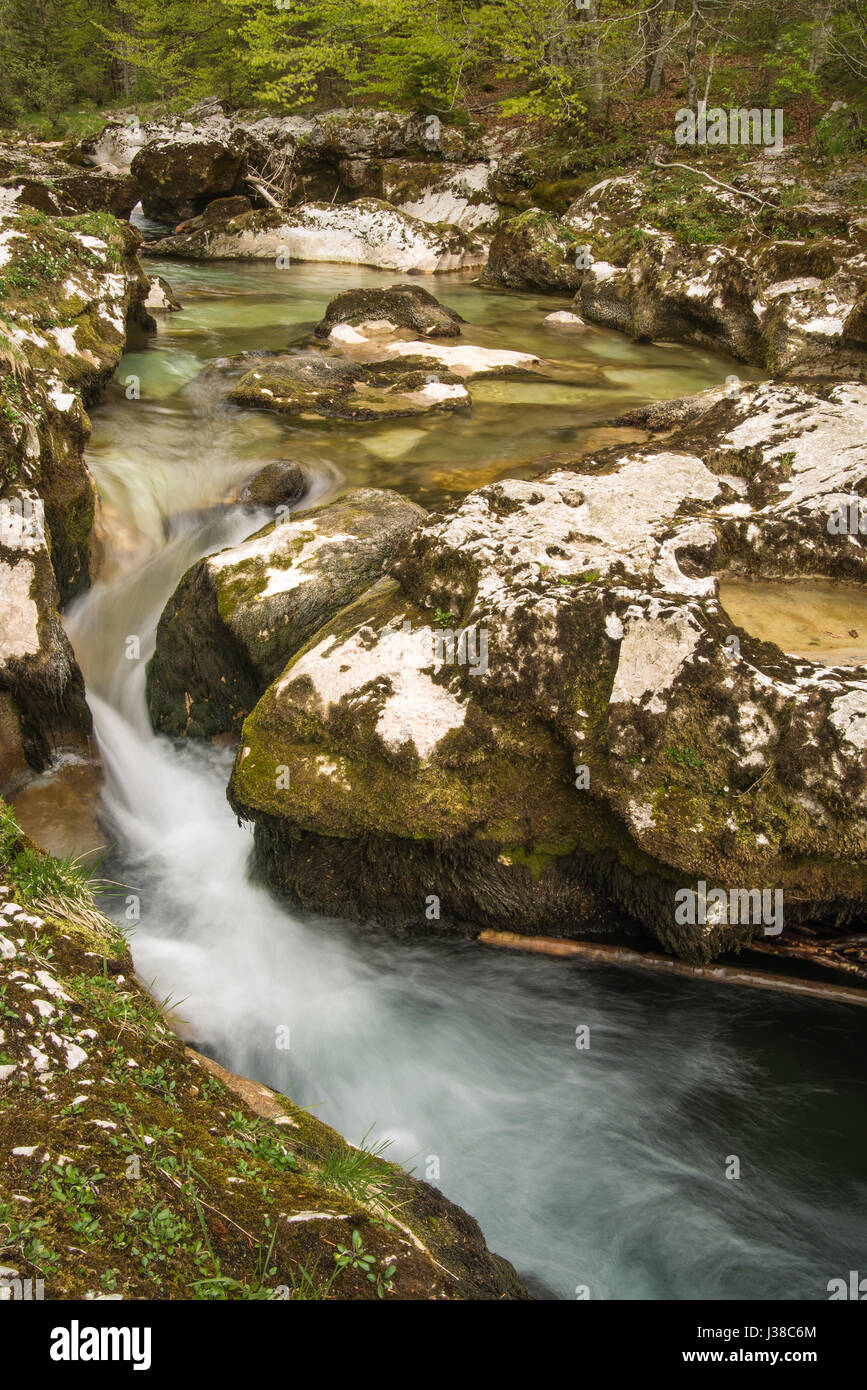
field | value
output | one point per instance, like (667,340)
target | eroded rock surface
(366,232)
(595,742)
(236,617)
(69,286)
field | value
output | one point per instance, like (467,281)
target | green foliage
(63,62)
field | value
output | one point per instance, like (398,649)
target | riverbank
(133,1167)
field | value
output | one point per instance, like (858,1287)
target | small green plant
(443,617)
(356,1257)
(685,757)
(362,1173)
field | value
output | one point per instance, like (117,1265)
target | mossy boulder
(236,617)
(69,287)
(534,251)
(404,306)
(178,176)
(668,259)
(543,719)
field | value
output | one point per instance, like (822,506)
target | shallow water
(815,618)
(603,1167)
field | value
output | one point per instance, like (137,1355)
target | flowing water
(602,1167)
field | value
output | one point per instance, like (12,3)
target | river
(601,1168)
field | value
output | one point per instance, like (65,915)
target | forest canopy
(532,58)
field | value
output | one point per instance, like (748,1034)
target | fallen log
(826,954)
(608,954)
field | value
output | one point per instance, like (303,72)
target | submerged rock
(307,385)
(544,719)
(400,306)
(278,484)
(366,232)
(236,617)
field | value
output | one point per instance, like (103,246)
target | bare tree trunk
(658,69)
(594,61)
(691,50)
(649,22)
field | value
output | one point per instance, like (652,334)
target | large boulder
(38,179)
(366,232)
(236,617)
(534,251)
(784,296)
(544,718)
(178,176)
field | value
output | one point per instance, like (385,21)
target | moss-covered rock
(534,251)
(236,617)
(38,179)
(404,306)
(666,257)
(69,287)
(310,386)
(178,176)
(548,722)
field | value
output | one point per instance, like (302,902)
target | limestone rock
(236,617)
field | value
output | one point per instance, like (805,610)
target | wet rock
(310,386)
(402,306)
(367,232)
(543,717)
(533,251)
(279,484)
(237,617)
(160,295)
